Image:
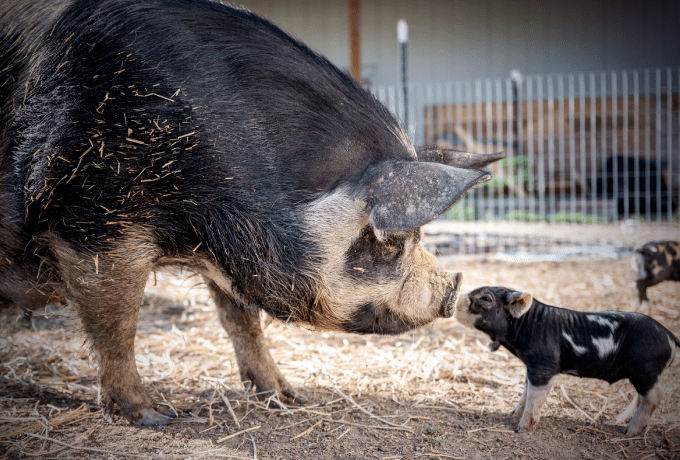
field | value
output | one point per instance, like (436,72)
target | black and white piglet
(653,263)
(549,340)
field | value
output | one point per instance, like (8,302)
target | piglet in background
(653,263)
(549,340)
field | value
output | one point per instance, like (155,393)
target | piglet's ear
(519,303)
(401,195)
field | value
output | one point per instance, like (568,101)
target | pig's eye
(393,247)
(486,298)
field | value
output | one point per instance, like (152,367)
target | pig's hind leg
(627,415)
(648,404)
(107,289)
(256,365)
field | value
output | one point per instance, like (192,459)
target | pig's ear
(458,158)
(401,195)
(519,303)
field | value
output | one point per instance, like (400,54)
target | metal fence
(584,147)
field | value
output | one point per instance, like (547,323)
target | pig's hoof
(631,431)
(289,398)
(149,417)
(523,429)
(165,411)
(299,399)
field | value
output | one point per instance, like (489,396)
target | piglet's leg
(519,408)
(255,363)
(535,398)
(648,405)
(627,415)
(106,290)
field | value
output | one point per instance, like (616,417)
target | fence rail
(585,147)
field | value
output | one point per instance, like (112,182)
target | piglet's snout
(448,306)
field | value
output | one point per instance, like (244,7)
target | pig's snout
(451,295)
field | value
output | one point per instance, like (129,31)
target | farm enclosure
(582,147)
(447,395)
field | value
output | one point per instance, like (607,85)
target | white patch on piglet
(578,349)
(637,263)
(602,321)
(605,345)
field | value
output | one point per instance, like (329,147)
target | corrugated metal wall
(463,39)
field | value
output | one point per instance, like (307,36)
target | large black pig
(143,133)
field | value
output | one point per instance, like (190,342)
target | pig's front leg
(536,395)
(256,365)
(519,408)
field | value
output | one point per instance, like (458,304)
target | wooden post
(355,38)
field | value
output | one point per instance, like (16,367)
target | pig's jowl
(143,133)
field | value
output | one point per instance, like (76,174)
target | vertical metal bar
(648,159)
(448,101)
(560,144)
(519,97)
(415,106)
(427,100)
(636,145)
(354,7)
(461,115)
(626,147)
(520,156)
(510,126)
(572,147)
(551,145)
(615,135)
(657,146)
(603,137)
(488,145)
(478,136)
(403,41)
(530,148)
(541,148)
(582,142)
(593,145)
(500,136)
(468,125)
(431,117)
(669,141)
(439,102)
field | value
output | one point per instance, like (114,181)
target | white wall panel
(463,39)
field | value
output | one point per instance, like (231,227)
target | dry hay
(432,393)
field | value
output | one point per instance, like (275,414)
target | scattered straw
(62,419)
(254,446)
(231,410)
(307,431)
(351,401)
(238,433)
(343,433)
(378,427)
(88,449)
(604,406)
(566,396)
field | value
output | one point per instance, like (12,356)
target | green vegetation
(561,217)
(433,429)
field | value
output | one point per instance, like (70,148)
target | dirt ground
(433,393)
